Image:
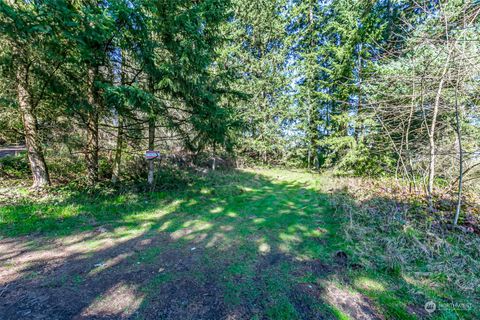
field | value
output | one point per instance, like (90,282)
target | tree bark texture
(91,152)
(36,158)
(151,146)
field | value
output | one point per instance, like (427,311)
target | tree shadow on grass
(238,245)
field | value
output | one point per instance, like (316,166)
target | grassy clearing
(251,244)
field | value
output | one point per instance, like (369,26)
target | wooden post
(151,146)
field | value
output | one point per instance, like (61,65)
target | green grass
(256,229)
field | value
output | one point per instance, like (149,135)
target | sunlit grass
(239,218)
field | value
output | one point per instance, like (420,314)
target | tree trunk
(118,152)
(461,173)
(117,161)
(431,136)
(310,127)
(91,152)
(407,141)
(151,146)
(36,158)
(359,126)
(460,149)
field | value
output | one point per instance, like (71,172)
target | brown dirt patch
(95,275)
(355,305)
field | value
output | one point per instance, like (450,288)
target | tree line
(385,87)
(72,69)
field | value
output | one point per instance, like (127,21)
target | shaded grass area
(392,233)
(257,244)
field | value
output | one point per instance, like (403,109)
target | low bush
(391,229)
(14,167)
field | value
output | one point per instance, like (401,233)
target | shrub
(14,166)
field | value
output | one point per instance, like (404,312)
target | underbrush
(14,167)
(65,208)
(391,231)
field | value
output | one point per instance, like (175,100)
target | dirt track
(64,279)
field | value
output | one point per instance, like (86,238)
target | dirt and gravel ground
(240,245)
(148,276)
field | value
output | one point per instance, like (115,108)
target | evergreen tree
(36,41)
(255,54)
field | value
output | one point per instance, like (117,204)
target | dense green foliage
(366,88)
(84,66)
(388,89)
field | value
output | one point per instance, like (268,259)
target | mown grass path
(238,245)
